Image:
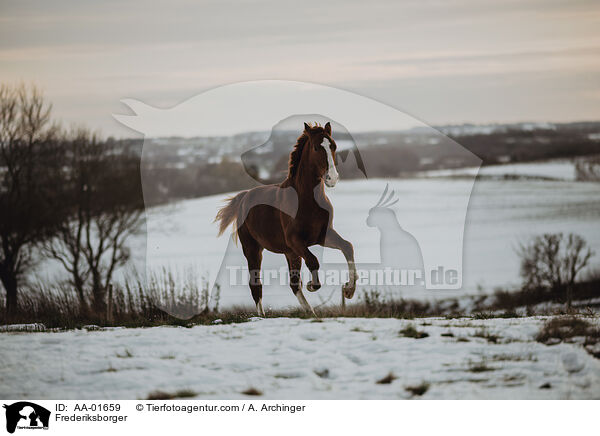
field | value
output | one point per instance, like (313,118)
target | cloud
(89,55)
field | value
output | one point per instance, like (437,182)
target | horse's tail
(228,214)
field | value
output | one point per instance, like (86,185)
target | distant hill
(191,167)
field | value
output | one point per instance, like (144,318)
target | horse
(290,217)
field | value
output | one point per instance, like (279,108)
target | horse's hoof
(310,287)
(348,290)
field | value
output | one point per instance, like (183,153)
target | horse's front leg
(295,264)
(312,263)
(334,240)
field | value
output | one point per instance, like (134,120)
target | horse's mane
(296,153)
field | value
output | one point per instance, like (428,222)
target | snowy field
(495,217)
(440,212)
(299,359)
(560,169)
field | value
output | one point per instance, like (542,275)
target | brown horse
(292,216)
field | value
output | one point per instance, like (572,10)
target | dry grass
(125,355)
(322,373)
(418,390)
(480,366)
(411,332)
(387,379)
(514,358)
(252,392)
(483,333)
(161,395)
(170,300)
(508,301)
(566,327)
(183,301)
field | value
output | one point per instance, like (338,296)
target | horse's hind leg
(294,265)
(253,253)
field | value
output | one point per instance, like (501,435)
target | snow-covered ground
(560,169)
(299,359)
(500,214)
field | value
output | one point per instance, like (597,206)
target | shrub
(552,261)
(567,327)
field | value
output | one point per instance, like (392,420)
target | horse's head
(322,152)
(381,213)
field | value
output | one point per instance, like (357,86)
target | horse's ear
(306,128)
(328,128)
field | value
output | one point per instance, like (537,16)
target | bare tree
(102,197)
(588,169)
(29,159)
(553,261)
(576,257)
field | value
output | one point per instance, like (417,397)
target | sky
(441,61)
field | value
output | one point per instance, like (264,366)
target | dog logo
(26,415)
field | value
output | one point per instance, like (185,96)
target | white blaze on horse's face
(331,175)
